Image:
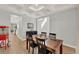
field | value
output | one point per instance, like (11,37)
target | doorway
(15,24)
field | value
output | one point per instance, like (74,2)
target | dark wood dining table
(55,44)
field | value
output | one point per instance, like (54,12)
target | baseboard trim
(69,45)
(21,38)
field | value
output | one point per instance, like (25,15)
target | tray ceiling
(36,10)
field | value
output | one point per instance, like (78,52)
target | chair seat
(33,45)
(44,51)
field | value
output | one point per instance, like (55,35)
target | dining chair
(34,32)
(42,49)
(52,35)
(43,34)
(31,42)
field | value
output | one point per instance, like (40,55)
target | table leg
(61,49)
(28,46)
(26,43)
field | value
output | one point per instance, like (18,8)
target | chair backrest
(52,35)
(28,34)
(43,34)
(42,49)
(34,32)
(40,42)
(29,37)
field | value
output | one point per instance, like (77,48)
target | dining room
(42,28)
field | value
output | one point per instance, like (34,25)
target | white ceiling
(47,8)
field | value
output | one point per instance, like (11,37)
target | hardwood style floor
(18,47)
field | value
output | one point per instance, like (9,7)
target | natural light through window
(44,22)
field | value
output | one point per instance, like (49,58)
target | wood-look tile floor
(18,47)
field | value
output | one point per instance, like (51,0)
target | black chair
(42,49)
(52,35)
(31,42)
(34,32)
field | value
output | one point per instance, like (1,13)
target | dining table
(51,44)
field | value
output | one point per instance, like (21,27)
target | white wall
(64,25)
(25,20)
